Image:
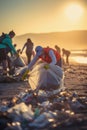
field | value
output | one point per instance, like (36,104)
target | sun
(74,12)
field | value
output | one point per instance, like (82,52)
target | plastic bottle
(37,112)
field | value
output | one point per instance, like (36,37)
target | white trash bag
(45,78)
(18,61)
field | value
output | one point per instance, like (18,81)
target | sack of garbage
(45,77)
(17,61)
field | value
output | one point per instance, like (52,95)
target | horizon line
(51,32)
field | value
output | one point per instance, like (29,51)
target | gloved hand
(25,74)
(47,66)
(16,54)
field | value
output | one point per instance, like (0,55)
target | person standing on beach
(6,46)
(66,53)
(57,48)
(29,49)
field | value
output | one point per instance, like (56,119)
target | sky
(41,16)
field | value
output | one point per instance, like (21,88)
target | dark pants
(8,50)
(3,58)
(29,57)
(59,63)
(2,54)
(10,64)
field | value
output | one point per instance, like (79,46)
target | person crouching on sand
(48,55)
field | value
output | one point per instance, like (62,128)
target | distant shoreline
(79,54)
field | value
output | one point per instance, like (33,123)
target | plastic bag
(18,61)
(45,78)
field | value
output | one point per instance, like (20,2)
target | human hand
(20,52)
(25,74)
(16,54)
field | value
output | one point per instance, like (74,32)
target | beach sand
(75,80)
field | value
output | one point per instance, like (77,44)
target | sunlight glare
(74,12)
(80,59)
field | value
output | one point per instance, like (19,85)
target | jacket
(7,42)
(46,56)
